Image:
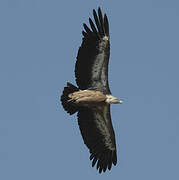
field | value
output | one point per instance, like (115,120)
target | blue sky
(39,40)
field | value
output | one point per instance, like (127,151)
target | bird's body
(92,98)
(87,98)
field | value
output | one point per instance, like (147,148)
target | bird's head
(113,100)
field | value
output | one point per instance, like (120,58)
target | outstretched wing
(98,134)
(91,68)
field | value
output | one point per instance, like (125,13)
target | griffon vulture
(92,98)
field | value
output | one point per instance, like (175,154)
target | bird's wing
(91,69)
(98,134)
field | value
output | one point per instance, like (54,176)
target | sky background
(39,40)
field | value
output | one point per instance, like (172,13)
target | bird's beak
(117,101)
(120,101)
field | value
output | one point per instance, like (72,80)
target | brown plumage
(92,98)
(87,97)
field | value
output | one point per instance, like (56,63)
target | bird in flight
(92,98)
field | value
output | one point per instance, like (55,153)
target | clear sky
(39,40)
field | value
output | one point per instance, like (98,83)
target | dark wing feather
(101,21)
(91,69)
(98,134)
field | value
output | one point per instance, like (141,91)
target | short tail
(67,105)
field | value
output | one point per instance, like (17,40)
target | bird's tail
(66,103)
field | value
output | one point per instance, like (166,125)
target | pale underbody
(89,97)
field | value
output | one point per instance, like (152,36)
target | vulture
(91,99)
